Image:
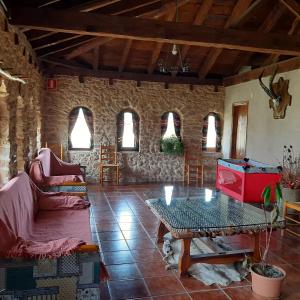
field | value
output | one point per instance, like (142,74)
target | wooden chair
(294,218)
(193,168)
(109,166)
(57,149)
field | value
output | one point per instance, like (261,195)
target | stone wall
(19,103)
(150,101)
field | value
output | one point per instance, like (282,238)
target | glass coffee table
(75,276)
(211,214)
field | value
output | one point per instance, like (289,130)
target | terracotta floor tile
(127,289)
(211,295)
(123,271)
(130,226)
(164,285)
(108,227)
(119,245)
(134,234)
(173,297)
(241,293)
(153,268)
(118,257)
(193,285)
(147,255)
(135,244)
(127,218)
(110,235)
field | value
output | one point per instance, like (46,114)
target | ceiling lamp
(173,62)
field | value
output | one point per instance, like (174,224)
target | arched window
(170,125)
(211,133)
(81,129)
(128,131)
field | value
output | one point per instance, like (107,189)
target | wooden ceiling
(126,38)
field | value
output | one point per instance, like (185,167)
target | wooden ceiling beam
(94,5)
(74,69)
(159,46)
(101,41)
(125,54)
(282,66)
(153,30)
(269,22)
(213,53)
(293,6)
(273,58)
(198,20)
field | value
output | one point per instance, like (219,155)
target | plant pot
(290,195)
(267,287)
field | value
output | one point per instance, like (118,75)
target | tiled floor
(125,229)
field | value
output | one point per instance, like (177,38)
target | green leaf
(278,192)
(266,194)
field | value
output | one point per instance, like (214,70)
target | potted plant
(267,279)
(290,175)
(171,145)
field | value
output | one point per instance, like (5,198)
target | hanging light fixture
(173,62)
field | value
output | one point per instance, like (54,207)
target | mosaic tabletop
(209,213)
(75,276)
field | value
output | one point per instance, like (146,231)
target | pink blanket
(32,225)
(48,170)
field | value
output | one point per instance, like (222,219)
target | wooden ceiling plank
(125,55)
(94,5)
(293,6)
(273,58)
(244,17)
(88,46)
(269,22)
(165,9)
(101,41)
(154,57)
(282,66)
(66,48)
(126,8)
(42,36)
(57,42)
(239,8)
(70,68)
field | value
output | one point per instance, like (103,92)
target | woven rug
(208,273)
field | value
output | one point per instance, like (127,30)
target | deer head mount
(278,92)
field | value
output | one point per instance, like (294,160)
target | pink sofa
(52,174)
(34,223)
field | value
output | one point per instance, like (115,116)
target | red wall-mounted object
(51,84)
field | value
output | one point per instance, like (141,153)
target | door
(239,130)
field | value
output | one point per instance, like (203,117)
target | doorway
(239,129)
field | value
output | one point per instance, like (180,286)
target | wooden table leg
(185,257)
(256,252)
(162,230)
